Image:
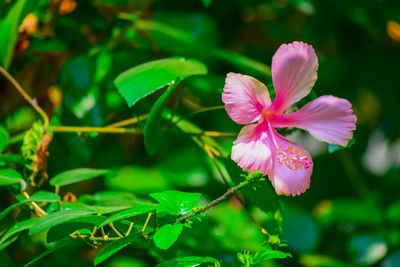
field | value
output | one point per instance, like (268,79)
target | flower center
(291,157)
(266,114)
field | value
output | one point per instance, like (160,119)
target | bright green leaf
(166,236)
(9,29)
(154,135)
(176,202)
(113,247)
(9,177)
(264,255)
(75,176)
(140,81)
(187,261)
(128,213)
(57,218)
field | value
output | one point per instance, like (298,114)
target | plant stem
(128,121)
(36,208)
(75,129)
(26,96)
(231,191)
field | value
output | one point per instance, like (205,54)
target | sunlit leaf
(176,202)
(57,218)
(75,176)
(166,236)
(129,213)
(142,80)
(268,254)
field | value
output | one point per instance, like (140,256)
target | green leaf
(9,177)
(176,202)
(140,81)
(19,227)
(333,148)
(40,196)
(154,135)
(58,218)
(3,139)
(63,230)
(264,255)
(8,242)
(113,247)
(75,176)
(166,236)
(44,196)
(128,213)
(9,29)
(10,159)
(187,261)
(109,209)
(57,246)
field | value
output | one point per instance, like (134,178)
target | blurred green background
(69,52)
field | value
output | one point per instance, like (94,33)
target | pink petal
(327,118)
(294,72)
(292,167)
(251,149)
(244,98)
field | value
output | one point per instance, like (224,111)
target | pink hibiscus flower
(259,146)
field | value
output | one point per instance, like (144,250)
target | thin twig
(231,191)
(147,221)
(115,230)
(26,96)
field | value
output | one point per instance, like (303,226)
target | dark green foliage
(157,69)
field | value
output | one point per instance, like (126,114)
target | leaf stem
(26,96)
(36,208)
